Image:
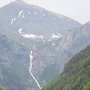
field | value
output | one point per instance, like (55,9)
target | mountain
(13,65)
(55,55)
(34,20)
(76,74)
(29,32)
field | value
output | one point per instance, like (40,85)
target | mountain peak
(88,22)
(19,1)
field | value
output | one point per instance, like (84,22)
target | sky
(76,9)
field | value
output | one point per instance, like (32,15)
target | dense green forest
(76,74)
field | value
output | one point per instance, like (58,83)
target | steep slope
(54,56)
(24,28)
(34,20)
(13,65)
(76,74)
(74,41)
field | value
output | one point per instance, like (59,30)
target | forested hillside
(76,74)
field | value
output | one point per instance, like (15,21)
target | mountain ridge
(62,51)
(34,14)
(32,21)
(76,73)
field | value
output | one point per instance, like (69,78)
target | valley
(36,45)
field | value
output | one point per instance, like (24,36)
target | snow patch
(20,13)
(30,36)
(35,37)
(13,20)
(53,44)
(20,30)
(56,36)
(23,15)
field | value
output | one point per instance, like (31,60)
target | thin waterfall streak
(30,71)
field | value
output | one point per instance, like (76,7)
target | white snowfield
(35,37)
(20,30)
(57,36)
(23,15)
(30,71)
(20,13)
(13,20)
(30,36)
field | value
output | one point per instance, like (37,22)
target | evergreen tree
(87,86)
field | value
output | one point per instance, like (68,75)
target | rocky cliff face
(52,58)
(24,28)
(34,20)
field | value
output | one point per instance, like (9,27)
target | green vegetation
(87,86)
(1,88)
(76,74)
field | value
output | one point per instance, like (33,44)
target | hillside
(53,57)
(34,20)
(13,64)
(76,74)
(24,28)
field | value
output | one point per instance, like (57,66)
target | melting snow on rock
(13,20)
(20,13)
(30,36)
(20,30)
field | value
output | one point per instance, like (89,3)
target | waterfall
(30,70)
